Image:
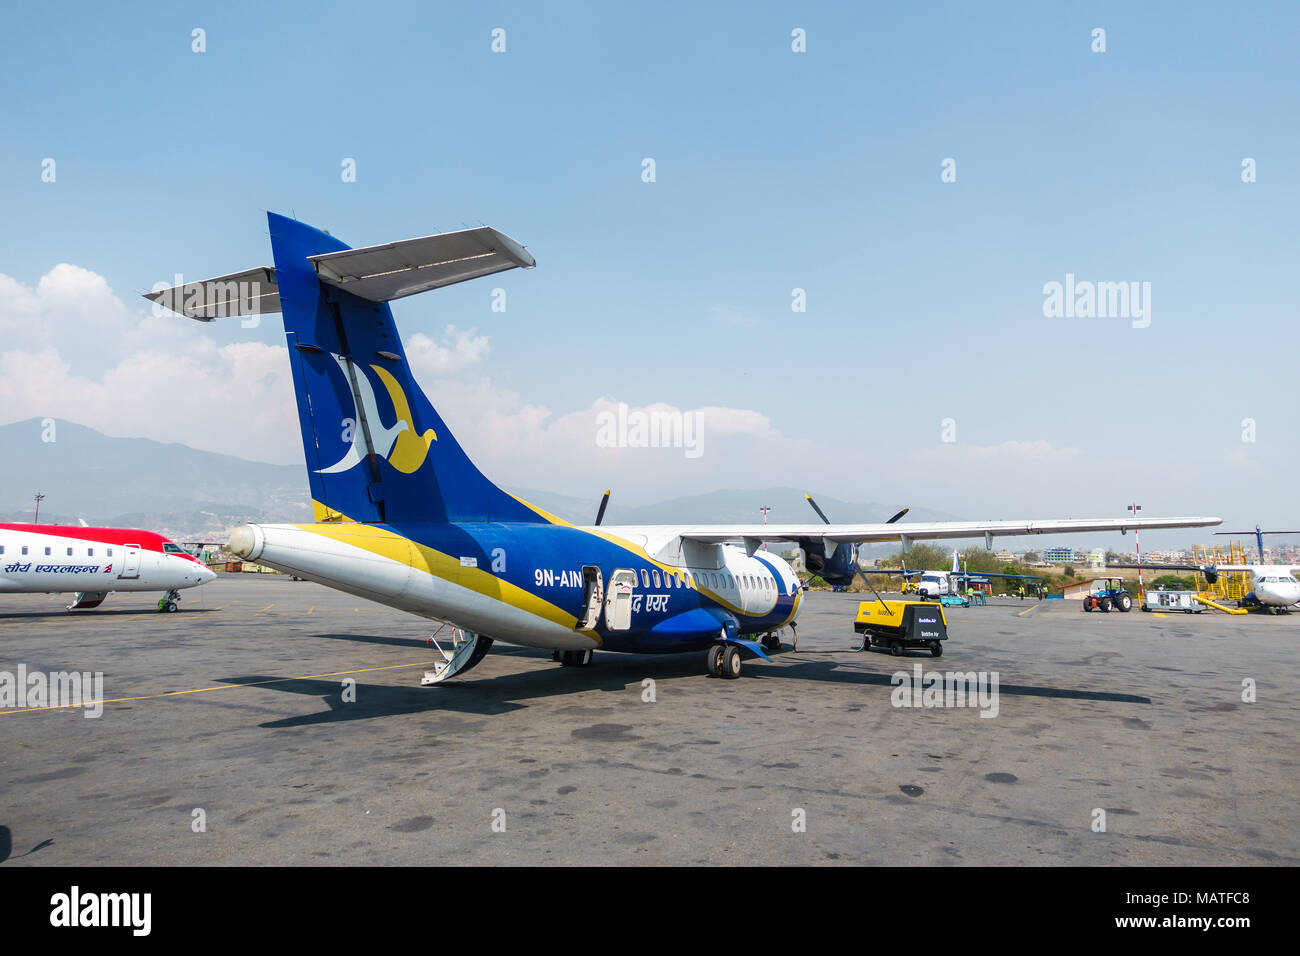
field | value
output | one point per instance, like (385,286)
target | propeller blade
(897,516)
(600,515)
(821,514)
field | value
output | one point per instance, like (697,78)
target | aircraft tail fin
(376,449)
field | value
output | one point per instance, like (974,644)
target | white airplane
(1273,586)
(403,517)
(92,563)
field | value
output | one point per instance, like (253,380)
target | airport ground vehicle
(1184,601)
(1108,593)
(902,624)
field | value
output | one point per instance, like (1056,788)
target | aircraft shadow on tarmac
(7,846)
(62,611)
(613,673)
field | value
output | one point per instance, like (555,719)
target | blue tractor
(1108,593)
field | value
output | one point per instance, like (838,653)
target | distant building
(1058,555)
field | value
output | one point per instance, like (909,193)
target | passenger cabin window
(645,578)
(110,552)
(90,552)
(47,550)
(24,549)
(69,552)
(656,577)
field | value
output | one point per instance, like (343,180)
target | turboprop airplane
(1272,586)
(403,517)
(93,562)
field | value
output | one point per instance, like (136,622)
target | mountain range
(190,495)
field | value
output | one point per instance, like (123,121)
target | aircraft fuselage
(551,586)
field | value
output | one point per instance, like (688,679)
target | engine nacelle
(1211,575)
(837,570)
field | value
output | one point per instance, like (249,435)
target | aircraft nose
(206,575)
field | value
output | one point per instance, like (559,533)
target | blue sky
(775,170)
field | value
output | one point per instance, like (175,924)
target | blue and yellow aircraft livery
(405,518)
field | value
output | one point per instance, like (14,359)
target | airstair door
(593,596)
(130,561)
(618,604)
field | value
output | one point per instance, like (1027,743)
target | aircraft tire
(714,660)
(731,662)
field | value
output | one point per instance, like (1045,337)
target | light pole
(38,498)
(1137,544)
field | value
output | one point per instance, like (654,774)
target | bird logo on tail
(399,443)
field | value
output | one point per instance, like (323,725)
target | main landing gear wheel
(771,642)
(714,660)
(575,658)
(731,662)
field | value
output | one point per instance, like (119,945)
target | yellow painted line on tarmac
(1158,614)
(311,609)
(204,690)
(1027,610)
(264,610)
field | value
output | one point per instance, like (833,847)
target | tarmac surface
(234,707)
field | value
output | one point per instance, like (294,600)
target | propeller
(600,515)
(821,514)
(857,571)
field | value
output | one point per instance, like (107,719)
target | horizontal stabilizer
(397,269)
(375,273)
(252,292)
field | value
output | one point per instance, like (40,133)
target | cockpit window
(169,548)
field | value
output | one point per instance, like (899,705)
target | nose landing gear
(724,660)
(168,601)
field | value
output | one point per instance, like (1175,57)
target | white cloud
(73,350)
(462,349)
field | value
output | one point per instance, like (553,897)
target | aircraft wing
(897,572)
(930,530)
(1162,566)
(990,574)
